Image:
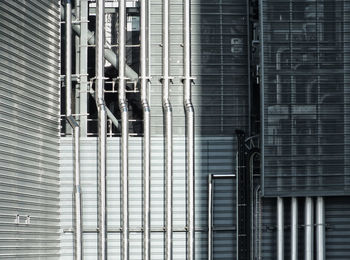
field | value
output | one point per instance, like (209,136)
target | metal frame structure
(127,74)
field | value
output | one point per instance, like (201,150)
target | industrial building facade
(165,129)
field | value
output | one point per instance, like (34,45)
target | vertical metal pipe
(168,125)
(77,58)
(78,244)
(68,58)
(77,196)
(280,228)
(309,229)
(102,130)
(210,217)
(123,106)
(189,110)
(294,229)
(147,130)
(83,66)
(320,229)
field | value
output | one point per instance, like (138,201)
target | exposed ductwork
(110,56)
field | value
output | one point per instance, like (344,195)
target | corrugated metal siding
(213,155)
(219,63)
(337,210)
(29,129)
(306,97)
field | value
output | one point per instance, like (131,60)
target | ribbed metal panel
(213,155)
(337,229)
(29,129)
(219,64)
(305,97)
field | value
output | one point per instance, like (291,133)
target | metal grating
(214,156)
(219,64)
(29,129)
(305,97)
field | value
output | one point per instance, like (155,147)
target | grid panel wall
(29,129)
(219,65)
(305,97)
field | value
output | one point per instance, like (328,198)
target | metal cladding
(29,129)
(305,97)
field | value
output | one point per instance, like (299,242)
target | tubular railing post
(280,228)
(78,244)
(294,229)
(309,229)
(147,131)
(167,110)
(189,110)
(123,106)
(102,130)
(320,229)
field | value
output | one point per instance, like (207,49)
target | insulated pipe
(102,130)
(123,106)
(109,54)
(294,229)
(146,129)
(76,133)
(168,124)
(320,229)
(189,110)
(280,228)
(309,229)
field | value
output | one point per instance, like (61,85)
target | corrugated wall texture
(29,129)
(219,64)
(337,210)
(306,97)
(213,155)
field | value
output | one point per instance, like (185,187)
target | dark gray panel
(306,98)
